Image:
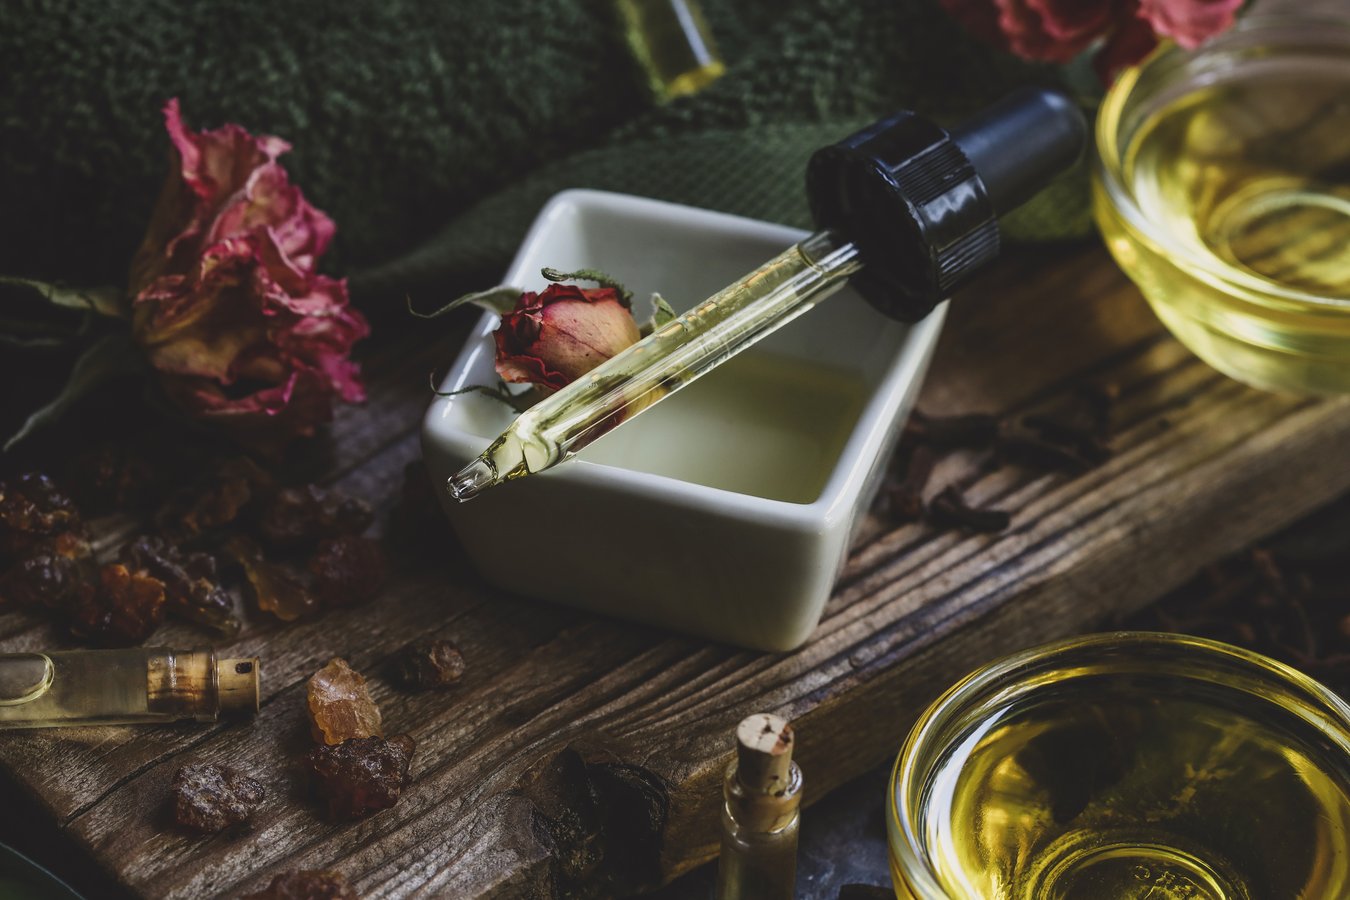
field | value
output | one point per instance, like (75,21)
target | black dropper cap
(922,203)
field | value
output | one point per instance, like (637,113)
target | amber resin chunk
(347,571)
(431,664)
(125,608)
(309,884)
(298,518)
(191,587)
(275,591)
(210,798)
(362,775)
(340,707)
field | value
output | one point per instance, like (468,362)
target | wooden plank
(582,755)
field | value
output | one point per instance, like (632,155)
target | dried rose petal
(124,609)
(433,664)
(307,884)
(362,775)
(274,590)
(210,798)
(347,571)
(191,590)
(298,518)
(339,705)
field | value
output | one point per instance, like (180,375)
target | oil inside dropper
(675,355)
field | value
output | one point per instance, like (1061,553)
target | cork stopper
(239,684)
(764,753)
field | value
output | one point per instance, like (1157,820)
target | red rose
(554,337)
(225,299)
(1058,30)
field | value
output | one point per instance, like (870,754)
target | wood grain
(581,756)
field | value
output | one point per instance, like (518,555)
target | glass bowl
(1222,188)
(1125,765)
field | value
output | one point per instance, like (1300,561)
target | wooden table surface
(582,756)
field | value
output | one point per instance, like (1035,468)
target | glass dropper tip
(472,480)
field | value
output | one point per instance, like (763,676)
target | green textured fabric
(433,131)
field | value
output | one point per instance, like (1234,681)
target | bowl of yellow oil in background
(1223,190)
(1126,765)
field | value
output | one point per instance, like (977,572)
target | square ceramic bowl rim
(849,473)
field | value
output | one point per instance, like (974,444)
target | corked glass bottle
(761,815)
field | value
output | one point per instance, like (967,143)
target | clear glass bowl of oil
(1127,765)
(1223,191)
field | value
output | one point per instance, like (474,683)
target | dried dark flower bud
(348,571)
(298,518)
(210,798)
(429,665)
(307,884)
(362,775)
(124,609)
(191,590)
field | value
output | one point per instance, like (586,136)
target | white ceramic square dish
(726,511)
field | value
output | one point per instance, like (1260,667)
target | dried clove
(949,509)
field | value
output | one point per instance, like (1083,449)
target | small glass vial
(673,45)
(761,813)
(140,684)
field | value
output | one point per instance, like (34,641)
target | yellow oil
(673,44)
(761,424)
(1243,188)
(1256,177)
(1123,797)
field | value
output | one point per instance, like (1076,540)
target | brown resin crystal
(339,705)
(431,664)
(125,608)
(191,587)
(275,591)
(308,884)
(298,518)
(347,571)
(362,775)
(210,798)
(217,502)
(34,515)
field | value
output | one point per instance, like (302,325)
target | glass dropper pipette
(908,211)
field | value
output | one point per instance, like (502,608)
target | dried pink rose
(226,301)
(1189,22)
(1058,30)
(554,337)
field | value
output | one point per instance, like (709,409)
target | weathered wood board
(582,755)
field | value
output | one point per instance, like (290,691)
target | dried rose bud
(210,798)
(298,518)
(307,884)
(362,775)
(552,338)
(339,704)
(429,665)
(124,609)
(348,571)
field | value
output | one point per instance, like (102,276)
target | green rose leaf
(500,300)
(109,357)
(603,279)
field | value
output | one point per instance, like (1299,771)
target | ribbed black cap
(922,203)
